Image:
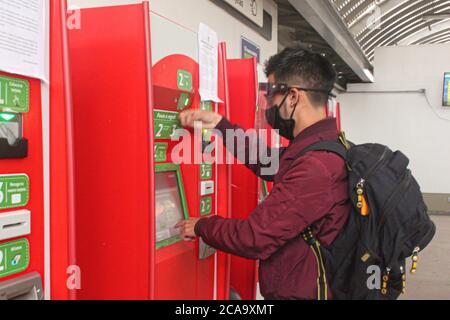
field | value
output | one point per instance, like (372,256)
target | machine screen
(10,127)
(169,209)
(446,102)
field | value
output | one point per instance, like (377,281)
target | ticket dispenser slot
(28,287)
(207,188)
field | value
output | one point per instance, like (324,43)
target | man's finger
(180,224)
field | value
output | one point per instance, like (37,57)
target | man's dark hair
(297,66)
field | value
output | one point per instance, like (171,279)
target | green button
(206,206)
(184,80)
(14,191)
(14,94)
(184,101)
(206,106)
(161,152)
(14,257)
(206,171)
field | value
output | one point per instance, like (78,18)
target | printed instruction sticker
(14,257)
(14,191)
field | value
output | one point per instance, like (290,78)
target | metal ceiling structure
(349,31)
(294,29)
(378,23)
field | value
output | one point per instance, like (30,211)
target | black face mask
(285,127)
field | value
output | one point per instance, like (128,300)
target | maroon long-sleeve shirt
(311,190)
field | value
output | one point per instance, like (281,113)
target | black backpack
(389,222)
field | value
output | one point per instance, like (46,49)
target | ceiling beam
(324,18)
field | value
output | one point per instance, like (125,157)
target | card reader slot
(14,225)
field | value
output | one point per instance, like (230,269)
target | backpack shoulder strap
(331,146)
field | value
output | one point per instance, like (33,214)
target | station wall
(415,123)
(189,13)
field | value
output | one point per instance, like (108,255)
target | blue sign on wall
(250,50)
(446,99)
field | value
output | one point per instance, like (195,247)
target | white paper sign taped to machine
(23,36)
(208,44)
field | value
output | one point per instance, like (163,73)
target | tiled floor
(432,280)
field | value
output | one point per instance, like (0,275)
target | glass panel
(10,127)
(169,210)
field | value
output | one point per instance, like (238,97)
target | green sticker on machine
(206,171)
(14,257)
(184,101)
(14,191)
(184,80)
(166,123)
(161,152)
(206,206)
(14,94)
(206,106)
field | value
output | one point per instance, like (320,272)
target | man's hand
(187,228)
(208,119)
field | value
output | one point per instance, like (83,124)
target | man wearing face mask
(310,191)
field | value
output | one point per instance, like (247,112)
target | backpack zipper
(392,202)
(376,165)
(362,182)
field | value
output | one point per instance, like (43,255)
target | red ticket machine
(187,183)
(21,189)
(131,188)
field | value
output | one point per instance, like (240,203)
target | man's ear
(295,96)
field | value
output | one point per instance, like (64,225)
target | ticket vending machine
(186,183)
(21,189)
(130,191)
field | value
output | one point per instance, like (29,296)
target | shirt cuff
(199,226)
(224,125)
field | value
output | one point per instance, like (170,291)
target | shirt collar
(323,130)
(325,125)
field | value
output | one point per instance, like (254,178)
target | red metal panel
(61,167)
(242,83)
(109,67)
(33,167)
(224,183)
(152,240)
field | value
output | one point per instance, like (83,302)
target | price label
(166,123)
